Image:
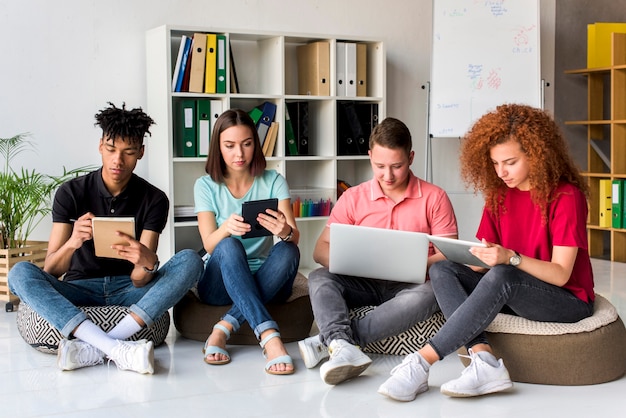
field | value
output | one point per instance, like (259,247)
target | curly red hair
(540,139)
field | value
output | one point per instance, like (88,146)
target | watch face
(515,260)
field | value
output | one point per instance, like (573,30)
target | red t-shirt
(520,228)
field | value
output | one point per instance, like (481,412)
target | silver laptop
(378,253)
(458,250)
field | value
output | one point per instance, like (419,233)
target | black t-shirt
(145,202)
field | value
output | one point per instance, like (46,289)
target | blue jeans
(57,301)
(228,280)
(399,306)
(471,300)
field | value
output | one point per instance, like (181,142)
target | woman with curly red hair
(534,229)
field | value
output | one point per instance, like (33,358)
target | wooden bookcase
(606,144)
(267,70)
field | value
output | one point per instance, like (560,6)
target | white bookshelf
(266,65)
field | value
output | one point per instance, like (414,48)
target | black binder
(355,122)
(299,115)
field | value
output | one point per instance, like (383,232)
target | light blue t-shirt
(215,197)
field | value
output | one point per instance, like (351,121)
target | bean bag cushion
(195,320)
(406,342)
(42,336)
(587,352)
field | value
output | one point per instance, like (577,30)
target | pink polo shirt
(424,208)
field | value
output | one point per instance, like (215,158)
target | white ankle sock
(94,335)
(423,362)
(124,329)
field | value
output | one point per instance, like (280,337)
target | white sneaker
(408,379)
(137,356)
(346,361)
(74,354)
(312,351)
(479,378)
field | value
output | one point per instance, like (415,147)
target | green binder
(185,129)
(617,204)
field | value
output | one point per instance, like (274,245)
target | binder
(211,63)
(179,60)
(361,70)
(269,111)
(314,68)
(234,83)
(216,110)
(187,73)
(183,64)
(290,138)
(599,42)
(341,69)
(350,69)
(220,75)
(299,115)
(185,134)
(204,126)
(617,203)
(605,203)
(355,121)
(346,144)
(255,114)
(198,59)
(367,113)
(270,140)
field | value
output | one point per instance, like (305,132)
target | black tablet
(250,211)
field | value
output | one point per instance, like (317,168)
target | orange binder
(198,60)
(361,70)
(211,64)
(314,69)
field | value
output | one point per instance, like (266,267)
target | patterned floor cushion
(587,352)
(39,334)
(406,342)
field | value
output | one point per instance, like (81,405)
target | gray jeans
(399,306)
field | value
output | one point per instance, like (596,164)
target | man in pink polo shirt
(395,199)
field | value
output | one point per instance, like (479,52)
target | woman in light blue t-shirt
(250,272)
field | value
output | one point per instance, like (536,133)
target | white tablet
(458,250)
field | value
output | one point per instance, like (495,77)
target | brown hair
(392,133)
(541,141)
(215,165)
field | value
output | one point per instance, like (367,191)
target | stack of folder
(201,64)
(355,121)
(193,122)
(351,69)
(599,42)
(267,128)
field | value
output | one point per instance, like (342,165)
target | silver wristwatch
(515,260)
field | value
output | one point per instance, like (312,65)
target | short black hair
(116,122)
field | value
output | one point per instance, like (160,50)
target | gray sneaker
(74,354)
(479,378)
(312,351)
(137,356)
(346,362)
(408,379)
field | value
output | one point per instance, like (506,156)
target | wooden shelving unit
(606,144)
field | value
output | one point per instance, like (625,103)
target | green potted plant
(25,198)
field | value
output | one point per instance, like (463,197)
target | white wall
(62,60)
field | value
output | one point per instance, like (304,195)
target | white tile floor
(184,386)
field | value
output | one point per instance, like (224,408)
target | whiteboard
(485,53)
